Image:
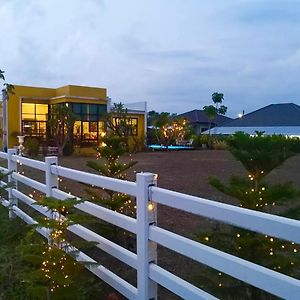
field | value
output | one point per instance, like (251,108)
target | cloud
(172,53)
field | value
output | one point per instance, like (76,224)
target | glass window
(41,109)
(101,130)
(102,109)
(132,122)
(29,127)
(34,128)
(32,111)
(28,117)
(101,127)
(84,109)
(93,118)
(89,130)
(134,126)
(93,126)
(42,128)
(88,112)
(34,119)
(76,108)
(93,109)
(85,130)
(28,108)
(77,128)
(41,117)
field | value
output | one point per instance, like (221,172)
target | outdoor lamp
(21,141)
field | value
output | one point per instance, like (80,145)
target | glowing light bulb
(150,206)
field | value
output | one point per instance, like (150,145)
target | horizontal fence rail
(100,212)
(149,234)
(271,281)
(273,225)
(177,285)
(35,164)
(117,185)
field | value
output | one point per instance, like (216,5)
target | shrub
(219,145)
(200,140)
(32,146)
(295,145)
(136,144)
(151,136)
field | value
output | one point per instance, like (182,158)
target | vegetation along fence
(149,234)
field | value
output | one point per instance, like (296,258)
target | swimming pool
(161,147)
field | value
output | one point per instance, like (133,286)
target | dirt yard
(188,172)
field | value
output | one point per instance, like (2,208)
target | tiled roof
(283,114)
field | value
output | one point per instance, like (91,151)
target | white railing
(149,234)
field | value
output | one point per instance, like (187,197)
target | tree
(110,165)
(61,124)
(175,131)
(9,88)
(118,121)
(259,155)
(23,251)
(53,264)
(168,128)
(212,111)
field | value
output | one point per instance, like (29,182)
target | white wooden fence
(149,234)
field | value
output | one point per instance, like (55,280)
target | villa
(278,119)
(27,113)
(200,122)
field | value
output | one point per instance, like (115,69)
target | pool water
(161,147)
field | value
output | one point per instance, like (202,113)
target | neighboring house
(282,118)
(200,122)
(28,110)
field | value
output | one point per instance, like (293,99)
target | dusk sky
(171,53)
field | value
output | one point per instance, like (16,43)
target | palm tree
(211,111)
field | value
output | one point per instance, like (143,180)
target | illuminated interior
(88,126)
(34,119)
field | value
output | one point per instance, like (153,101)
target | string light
(150,206)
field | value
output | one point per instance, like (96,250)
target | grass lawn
(182,171)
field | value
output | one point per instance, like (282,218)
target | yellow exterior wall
(82,91)
(14,108)
(136,142)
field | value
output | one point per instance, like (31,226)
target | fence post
(12,166)
(146,250)
(51,179)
